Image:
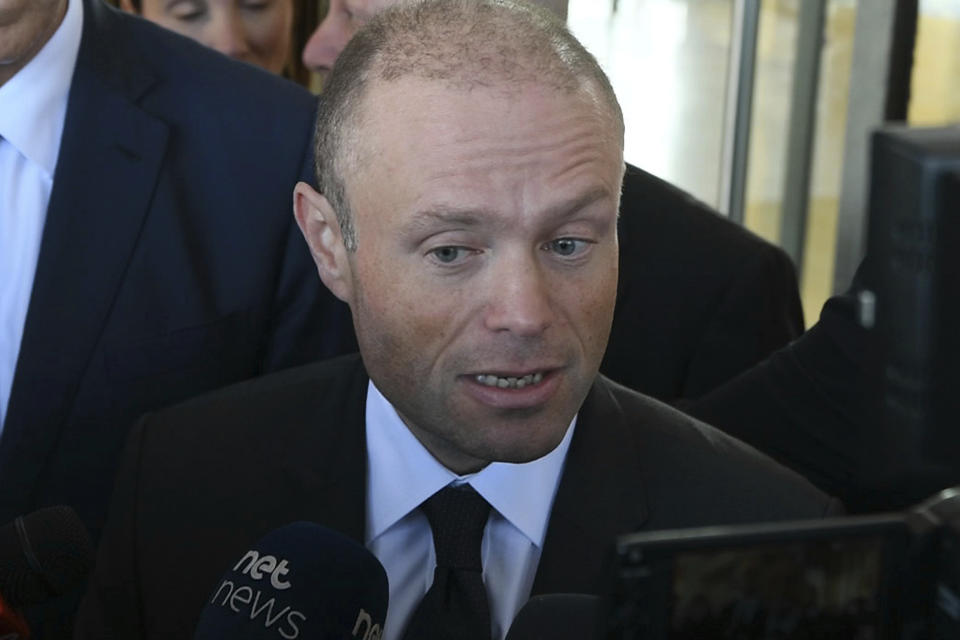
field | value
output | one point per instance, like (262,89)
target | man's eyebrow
(578,203)
(469,217)
(448,216)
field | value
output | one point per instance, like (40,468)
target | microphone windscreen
(301,581)
(559,616)
(43,555)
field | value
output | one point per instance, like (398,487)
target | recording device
(884,577)
(301,581)
(43,555)
(912,303)
(559,616)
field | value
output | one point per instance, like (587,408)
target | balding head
(467,45)
(344,17)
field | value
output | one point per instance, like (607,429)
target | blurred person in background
(341,21)
(267,33)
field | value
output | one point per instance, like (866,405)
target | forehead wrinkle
(580,118)
(578,148)
(574,205)
(447,215)
(526,174)
(584,155)
(472,143)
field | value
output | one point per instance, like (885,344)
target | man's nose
(326,43)
(520,299)
(226,33)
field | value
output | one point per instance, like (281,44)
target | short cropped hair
(464,44)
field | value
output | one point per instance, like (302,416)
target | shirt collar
(33,103)
(401,474)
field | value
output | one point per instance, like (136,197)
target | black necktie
(455,607)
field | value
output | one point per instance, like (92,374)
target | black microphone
(559,616)
(301,581)
(43,555)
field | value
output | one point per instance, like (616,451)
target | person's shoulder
(277,402)
(723,478)
(652,207)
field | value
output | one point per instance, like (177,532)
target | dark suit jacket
(810,404)
(817,407)
(170,261)
(200,482)
(700,300)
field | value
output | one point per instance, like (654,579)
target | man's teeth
(509,383)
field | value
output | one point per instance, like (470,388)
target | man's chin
(527,450)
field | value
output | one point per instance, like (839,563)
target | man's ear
(318,223)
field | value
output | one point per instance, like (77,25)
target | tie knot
(457,517)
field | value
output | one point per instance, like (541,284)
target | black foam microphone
(559,616)
(43,555)
(301,581)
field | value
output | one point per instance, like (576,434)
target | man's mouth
(508,382)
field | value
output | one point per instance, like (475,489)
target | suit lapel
(600,497)
(340,495)
(110,155)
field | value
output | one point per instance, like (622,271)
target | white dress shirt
(401,474)
(33,106)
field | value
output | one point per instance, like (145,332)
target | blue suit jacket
(170,263)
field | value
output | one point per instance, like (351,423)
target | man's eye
(565,246)
(448,255)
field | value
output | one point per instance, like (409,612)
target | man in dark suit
(169,264)
(470,163)
(700,298)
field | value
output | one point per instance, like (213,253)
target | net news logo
(264,608)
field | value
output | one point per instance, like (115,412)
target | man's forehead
(414,121)
(412,98)
(367,8)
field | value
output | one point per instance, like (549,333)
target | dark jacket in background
(700,299)
(817,407)
(811,404)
